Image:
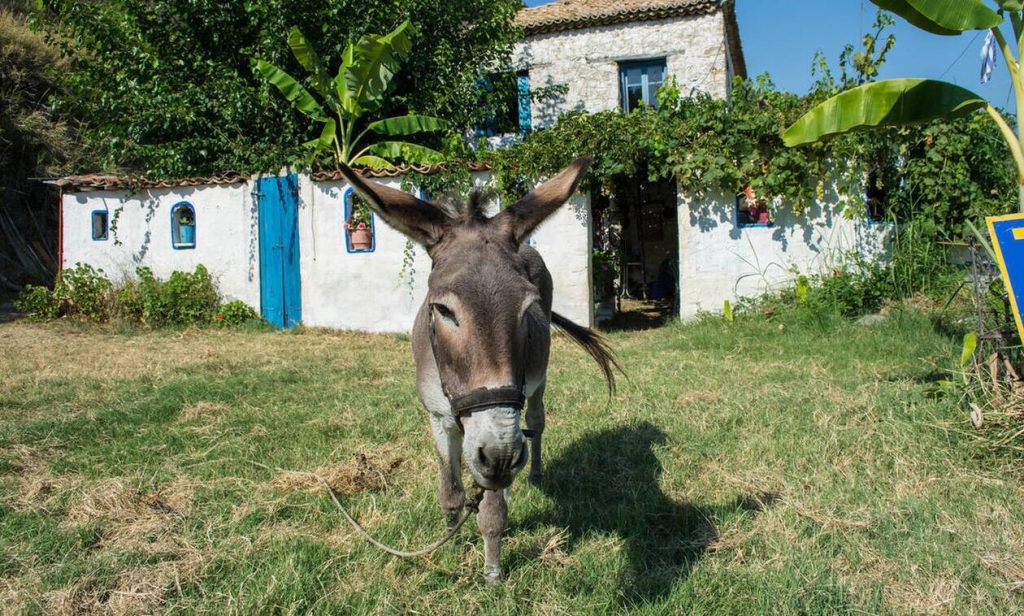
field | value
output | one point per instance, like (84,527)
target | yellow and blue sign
(1007,234)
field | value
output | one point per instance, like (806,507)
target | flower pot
(187,234)
(360,239)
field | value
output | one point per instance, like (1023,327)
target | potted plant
(359,225)
(757,209)
(186,226)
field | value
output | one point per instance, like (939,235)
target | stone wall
(587,61)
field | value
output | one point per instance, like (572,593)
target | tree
(897,102)
(34,142)
(361,86)
(169,87)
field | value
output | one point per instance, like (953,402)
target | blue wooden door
(280,283)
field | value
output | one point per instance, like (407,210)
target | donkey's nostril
(481,457)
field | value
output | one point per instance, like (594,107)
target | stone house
(280,243)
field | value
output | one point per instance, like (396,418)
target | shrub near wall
(185,298)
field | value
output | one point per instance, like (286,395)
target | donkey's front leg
(535,422)
(448,440)
(492,520)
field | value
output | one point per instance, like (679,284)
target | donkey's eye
(446,313)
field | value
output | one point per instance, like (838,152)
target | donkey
(481,339)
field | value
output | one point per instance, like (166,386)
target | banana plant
(899,102)
(346,100)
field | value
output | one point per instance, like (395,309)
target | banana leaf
(945,17)
(323,142)
(376,59)
(1011,5)
(346,98)
(407,125)
(410,152)
(373,162)
(309,60)
(895,102)
(297,95)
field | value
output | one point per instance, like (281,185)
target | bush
(236,312)
(37,302)
(80,291)
(183,299)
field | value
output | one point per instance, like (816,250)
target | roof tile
(572,14)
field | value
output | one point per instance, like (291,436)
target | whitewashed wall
(587,61)
(719,260)
(226,235)
(364,291)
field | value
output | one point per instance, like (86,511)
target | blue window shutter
(523,87)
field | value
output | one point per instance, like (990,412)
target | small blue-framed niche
(752,214)
(100,225)
(359,224)
(183,226)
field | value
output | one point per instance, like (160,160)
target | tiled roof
(575,14)
(119,182)
(335,176)
(570,14)
(96,181)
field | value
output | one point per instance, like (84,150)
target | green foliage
(37,302)
(945,17)
(894,102)
(948,171)
(364,80)
(606,270)
(236,312)
(185,298)
(168,86)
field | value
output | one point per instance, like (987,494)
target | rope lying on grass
(472,506)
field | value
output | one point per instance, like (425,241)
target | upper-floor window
(640,83)
(512,94)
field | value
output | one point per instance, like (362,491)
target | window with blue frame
(511,92)
(183,226)
(360,230)
(100,225)
(640,82)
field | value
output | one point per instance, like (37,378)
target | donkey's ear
(421,221)
(524,215)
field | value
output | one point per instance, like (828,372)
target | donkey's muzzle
(487,398)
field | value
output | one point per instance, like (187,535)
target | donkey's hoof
(493,578)
(534,478)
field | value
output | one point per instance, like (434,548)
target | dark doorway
(636,229)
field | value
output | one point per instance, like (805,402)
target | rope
(472,506)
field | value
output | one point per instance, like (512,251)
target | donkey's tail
(594,344)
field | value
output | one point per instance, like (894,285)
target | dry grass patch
(140,590)
(132,519)
(366,472)
(203,410)
(36,485)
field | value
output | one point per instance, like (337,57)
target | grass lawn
(763,466)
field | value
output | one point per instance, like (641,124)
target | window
(640,83)
(876,198)
(752,212)
(513,104)
(360,231)
(183,226)
(100,225)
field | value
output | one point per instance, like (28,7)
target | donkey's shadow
(607,484)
